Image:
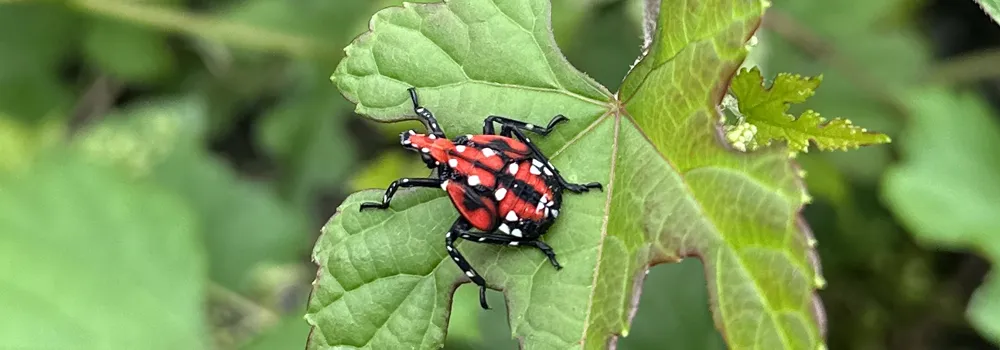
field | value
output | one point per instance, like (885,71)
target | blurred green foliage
(174,160)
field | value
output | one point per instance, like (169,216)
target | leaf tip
(819,282)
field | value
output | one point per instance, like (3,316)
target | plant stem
(968,68)
(236,34)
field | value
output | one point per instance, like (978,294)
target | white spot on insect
(455,257)
(444,186)
(434,125)
(432,137)
(460,148)
(536,163)
(469,273)
(516,232)
(513,168)
(465,236)
(504,228)
(535,171)
(541,205)
(513,243)
(425,150)
(547,171)
(453,162)
(555,213)
(448,247)
(407,142)
(412,132)
(385,199)
(549,204)
(511,216)
(421,109)
(545,198)
(449,236)
(473,180)
(500,193)
(529,126)
(467,136)
(406,180)
(482,239)
(488,152)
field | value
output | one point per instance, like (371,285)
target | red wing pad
(524,201)
(474,175)
(511,148)
(480,211)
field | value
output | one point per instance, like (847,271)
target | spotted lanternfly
(505,190)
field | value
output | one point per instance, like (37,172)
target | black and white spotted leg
(507,122)
(544,164)
(391,190)
(461,227)
(425,115)
(492,238)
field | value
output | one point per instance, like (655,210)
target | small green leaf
(945,189)
(992,8)
(672,188)
(90,259)
(765,110)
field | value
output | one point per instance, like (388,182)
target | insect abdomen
(526,194)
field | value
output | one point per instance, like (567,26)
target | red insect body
(477,161)
(499,183)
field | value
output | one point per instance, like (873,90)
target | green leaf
(127,51)
(672,188)
(35,38)
(765,110)
(244,224)
(291,333)
(945,190)
(20,143)
(90,259)
(307,133)
(992,8)
(390,165)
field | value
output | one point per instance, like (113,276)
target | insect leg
(425,115)
(461,227)
(507,122)
(492,238)
(391,190)
(546,164)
